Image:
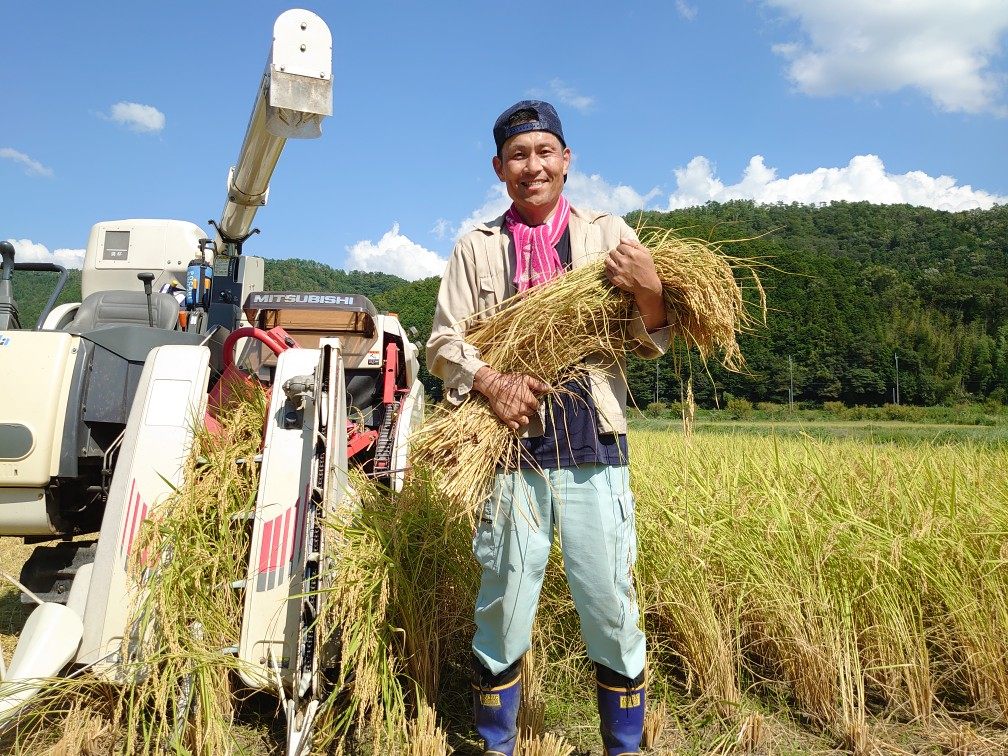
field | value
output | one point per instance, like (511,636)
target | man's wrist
(652,288)
(482,378)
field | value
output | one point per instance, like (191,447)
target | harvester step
(50,570)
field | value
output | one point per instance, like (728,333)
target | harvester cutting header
(110,390)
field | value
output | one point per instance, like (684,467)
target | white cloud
(25,250)
(864,178)
(944,49)
(441,228)
(137,117)
(596,193)
(571,97)
(686,10)
(32,167)
(497,201)
(397,254)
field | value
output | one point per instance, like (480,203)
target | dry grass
(424,737)
(553,331)
(13,554)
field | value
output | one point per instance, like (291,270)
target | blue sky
(119,110)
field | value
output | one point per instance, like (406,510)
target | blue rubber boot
(621,711)
(495,708)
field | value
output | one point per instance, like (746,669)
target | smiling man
(572,478)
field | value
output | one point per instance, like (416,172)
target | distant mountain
(33,289)
(311,275)
(414,303)
(851,287)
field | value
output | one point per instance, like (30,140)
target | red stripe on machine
(275,546)
(264,547)
(139,521)
(134,508)
(284,554)
(122,538)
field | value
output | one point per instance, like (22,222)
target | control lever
(148,279)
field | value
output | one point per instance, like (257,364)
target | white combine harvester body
(109,392)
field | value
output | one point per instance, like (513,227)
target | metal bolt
(303,26)
(304,47)
(262,660)
(283,68)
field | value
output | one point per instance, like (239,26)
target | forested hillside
(32,289)
(309,275)
(851,288)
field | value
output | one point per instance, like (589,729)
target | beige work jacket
(480,275)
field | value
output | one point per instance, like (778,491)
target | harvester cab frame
(112,390)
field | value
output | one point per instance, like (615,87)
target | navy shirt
(571,436)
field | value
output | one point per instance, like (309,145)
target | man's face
(532,166)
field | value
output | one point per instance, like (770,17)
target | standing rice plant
(68,716)
(858,580)
(400,595)
(190,614)
(367,696)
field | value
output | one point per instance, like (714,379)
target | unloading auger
(104,397)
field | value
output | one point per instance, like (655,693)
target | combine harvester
(108,392)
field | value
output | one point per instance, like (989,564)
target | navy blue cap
(545,119)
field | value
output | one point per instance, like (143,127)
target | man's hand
(630,267)
(513,397)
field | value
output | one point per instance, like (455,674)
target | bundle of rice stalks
(550,331)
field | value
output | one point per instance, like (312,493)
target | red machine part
(232,378)
(278,340)
(358,440)
(391,365)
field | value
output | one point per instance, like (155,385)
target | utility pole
(896,357)
(790,393)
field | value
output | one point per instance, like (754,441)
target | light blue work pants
(592,509)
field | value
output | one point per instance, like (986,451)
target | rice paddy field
(800,594)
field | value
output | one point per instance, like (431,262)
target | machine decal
(277,549)
(261,299)
(4,340)
(135,516)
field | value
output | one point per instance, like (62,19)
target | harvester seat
(105,308)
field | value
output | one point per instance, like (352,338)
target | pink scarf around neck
(536,258)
